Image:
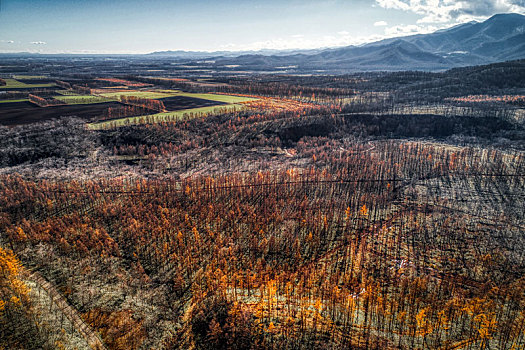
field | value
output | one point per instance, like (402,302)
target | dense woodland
(403,246)
(370,211)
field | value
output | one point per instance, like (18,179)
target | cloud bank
(451,11)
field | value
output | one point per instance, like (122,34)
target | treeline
(43,101)
(495,79)
(254,87)
(81,90)
(63,84)
(11,95)
(285,90)
(155,105)
(125,111)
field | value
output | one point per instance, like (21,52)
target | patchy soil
(17,113)
(36,81)
(31,88)
(177,103)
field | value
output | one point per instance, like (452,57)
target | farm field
(82,99)
(13,101)
(15,84)
(30,77)
(18,113)
(182,101)
(123,82)
(171,116)
(141,94)
(179,105)
(170,93)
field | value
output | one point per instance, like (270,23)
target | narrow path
(92,338)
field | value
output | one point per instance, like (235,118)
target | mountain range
(499,38)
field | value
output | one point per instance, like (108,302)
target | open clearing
(180,102)
(167,116)
(83,99)
(13,101)
(17,113)
(142,94)
(170,93)
(200,104)
(178,105)
(15,84)
(29,77)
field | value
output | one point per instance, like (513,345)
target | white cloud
(394,4)
(433,15)
(380,24)
(450,11)
(409,29)
(339,39)
(38,42)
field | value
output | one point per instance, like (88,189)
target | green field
(83,99)
(232,104)
(29,77)
(170,93)
(141,94)
(9,101)
(15,84)
(67,93)
(165,116)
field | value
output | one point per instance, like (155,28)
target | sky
(133,26)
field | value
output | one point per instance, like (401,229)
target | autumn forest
(358,211)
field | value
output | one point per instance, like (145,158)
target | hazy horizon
(138,27)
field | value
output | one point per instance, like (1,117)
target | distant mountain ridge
(205,54)
(499,38)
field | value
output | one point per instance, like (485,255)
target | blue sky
(132,26)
